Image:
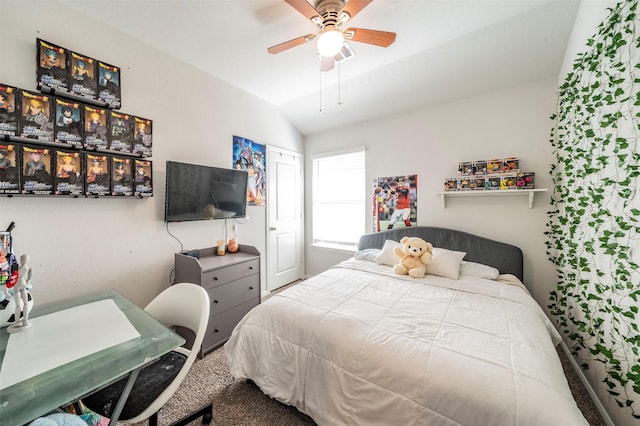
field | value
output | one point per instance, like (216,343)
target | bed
(360,345)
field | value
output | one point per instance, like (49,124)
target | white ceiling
(444,50)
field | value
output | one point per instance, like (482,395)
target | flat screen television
(196,192)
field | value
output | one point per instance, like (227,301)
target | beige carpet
(241,403)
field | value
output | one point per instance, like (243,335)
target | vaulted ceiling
(444,50)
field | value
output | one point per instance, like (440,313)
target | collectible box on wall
(478,183)
(36,120)
(120,131)
(9,168)
(83,76)
(494,166)
(492,181)
(143,178)
(510,165)
(109,84)
(36,177)
(451,184)
(52,66)
(143,136)
(68,125)
(69,179)
(121,176)
(479,168)
(465,168)
(9,110)
(97,181)
(526,180)
(508,181)
(95,128)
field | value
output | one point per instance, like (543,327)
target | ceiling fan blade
(327,63)
(353,7)
(378,38)
(289,44)
(303,7)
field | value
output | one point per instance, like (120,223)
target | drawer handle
(215,301)
(251,288)
(215,278)
(216,330)
(251,268)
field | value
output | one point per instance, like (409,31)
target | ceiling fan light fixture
(330,43)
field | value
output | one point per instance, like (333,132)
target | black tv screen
(196,192)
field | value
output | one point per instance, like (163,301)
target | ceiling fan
(329,16)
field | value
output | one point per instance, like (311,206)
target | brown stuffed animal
(414,255)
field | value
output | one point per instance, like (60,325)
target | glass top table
(128,338)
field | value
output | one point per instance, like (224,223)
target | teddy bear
(414,255)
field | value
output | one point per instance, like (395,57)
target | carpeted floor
(241,403)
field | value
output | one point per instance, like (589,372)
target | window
(339,199)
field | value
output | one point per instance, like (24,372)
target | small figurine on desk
(21,297)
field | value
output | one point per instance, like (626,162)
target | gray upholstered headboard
(504,257)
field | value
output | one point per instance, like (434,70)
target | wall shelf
(488,193)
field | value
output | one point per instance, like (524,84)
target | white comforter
(359,345)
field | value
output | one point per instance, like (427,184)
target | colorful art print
(52,66)
(121,176)
(451,184)
(36,120)
(478,183)
(395,202)
(479,168)
(109,84)
(97,181)
(69,178)
(36,177)
(143,136)
(492,181)
(526,180)
(9,168)
(143,178)
(251,157)
(494,166)
(95,128)
(68,125)
(508,181)
(9,107)
(83,76)
(510,164)
(120,132)
(465,168)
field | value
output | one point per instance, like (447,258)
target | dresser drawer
(228,295)
(224,275)
(221,325)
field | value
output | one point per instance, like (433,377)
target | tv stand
(232,282)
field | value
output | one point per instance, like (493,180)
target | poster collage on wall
(395,202)
(251,157)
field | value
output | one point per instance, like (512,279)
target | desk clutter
(490,175)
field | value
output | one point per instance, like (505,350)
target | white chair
(181,305)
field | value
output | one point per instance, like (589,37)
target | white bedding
(359,345)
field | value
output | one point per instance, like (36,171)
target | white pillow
(367,254)
(386,256)
(479,270)
(445,263)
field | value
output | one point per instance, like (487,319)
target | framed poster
(251,157)
(395,202)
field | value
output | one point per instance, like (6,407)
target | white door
(285,248)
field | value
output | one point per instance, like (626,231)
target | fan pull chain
(339,78)
(320,96)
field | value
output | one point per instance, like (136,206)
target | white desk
(74,348)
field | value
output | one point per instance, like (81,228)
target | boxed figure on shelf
(465,168)
(492,181)
(109,84)
(95,128)
(36,121)
(143,181)
(36,177)
(121,132)
(52,66)
(480,168)
(97,175)
(494,166)
(68,125)
(510,165)
(9,108)
(526,180)
(9,168)
(83,76)
(508,181)
(451,184)
(478,183)
(121,179)
(69,179)
(143,137)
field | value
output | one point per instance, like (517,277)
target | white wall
(79,246)
(431,142)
